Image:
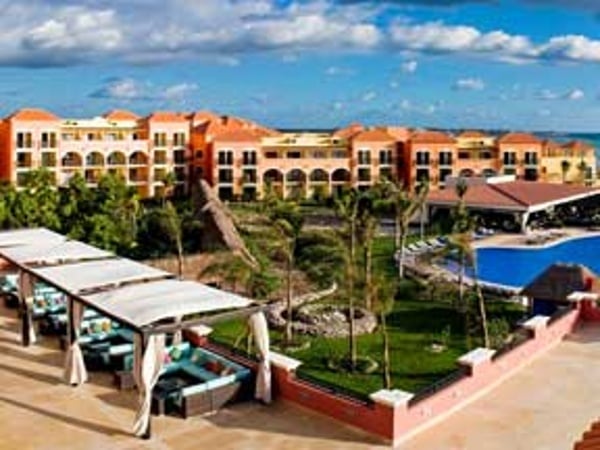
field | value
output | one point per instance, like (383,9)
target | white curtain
(26,291)
(178,335)
(75,371)
(147,365)
(260,330)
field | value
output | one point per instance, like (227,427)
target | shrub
(498,330)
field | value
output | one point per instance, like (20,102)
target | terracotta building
(242,158)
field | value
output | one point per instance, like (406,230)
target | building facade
(242,159)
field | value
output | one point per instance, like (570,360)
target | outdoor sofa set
(193,381)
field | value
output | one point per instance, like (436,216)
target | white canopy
(52,252)
(77,277)
(37,236)
(143,304)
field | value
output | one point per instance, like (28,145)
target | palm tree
(168,182)
(367,227)
(422,191)
(234,270)
(171,223)
(565,165)
(287,220)
(461,244)
(383,299)
(347,207)
(406,204)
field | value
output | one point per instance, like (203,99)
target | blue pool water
(519,266)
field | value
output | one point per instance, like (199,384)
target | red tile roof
(120,114)
(237,136)
(401,134)
(431,137)
(373,135)
(514,194)
(519,138)
(32,114)
(349,131)
(578,146)
(166,116)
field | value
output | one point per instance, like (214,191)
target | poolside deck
(38,411)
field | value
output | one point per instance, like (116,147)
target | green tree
(171,225)
(36,204)
(76,204)
(347,208)
(406,204)
(383,301)
(582,168)
(287,220)
(233,270)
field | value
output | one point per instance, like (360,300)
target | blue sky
(517,64)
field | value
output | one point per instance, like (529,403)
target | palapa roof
(166,116)
(560,280)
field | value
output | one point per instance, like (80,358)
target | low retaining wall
(397,415)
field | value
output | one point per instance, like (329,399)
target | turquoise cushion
(199,372)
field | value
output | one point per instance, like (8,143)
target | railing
(439,385)
(331,388)
(520,336)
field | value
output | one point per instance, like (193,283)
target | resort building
(241,158)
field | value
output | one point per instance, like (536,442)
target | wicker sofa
(212,381)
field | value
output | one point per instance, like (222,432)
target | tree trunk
(369,273)
(288,319)
(352,337)
(402,256)
(422,222)
(397,232)
(482,311)
(387,378)
(179,259)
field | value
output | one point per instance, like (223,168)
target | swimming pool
(518,266)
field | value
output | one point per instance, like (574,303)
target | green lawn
(413,326)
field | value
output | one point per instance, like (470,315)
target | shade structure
(52,252)
(30,236)
(143,304)
(78,277)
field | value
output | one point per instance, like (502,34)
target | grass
(413,325)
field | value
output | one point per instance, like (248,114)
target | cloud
(38,33)
(369,96)
(333,71)
(573,94)
(409,66)
(129,89)
(469,84)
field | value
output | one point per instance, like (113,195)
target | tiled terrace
(38,411)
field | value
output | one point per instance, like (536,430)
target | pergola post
(26,323)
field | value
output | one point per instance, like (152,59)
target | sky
(499,64)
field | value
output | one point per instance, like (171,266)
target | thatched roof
(559,280)
(219,225)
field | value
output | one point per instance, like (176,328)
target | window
(92,137)
(464,155)
(48,159)
(509,158)
(24,140)
(340,154)
(249,176)
(160,139)
(385,174)
(135,136)
(293,155)
(385,157)
(23,160)
(319,154)
(249,158)
(179,156)
(422,158)
(271,155)
(422,174)
(445,159)
(443,174)
(364,157)
(160,157)
(510,171)
(180,174)
(531,174)
(225,176)
(179,139)
(199,154)
(225,158)
(485,155)
(48,140)
(531,158)
(364,175)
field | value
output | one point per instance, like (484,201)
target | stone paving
(38,411)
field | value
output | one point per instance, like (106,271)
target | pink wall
(398,423)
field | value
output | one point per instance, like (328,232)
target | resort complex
(241,159)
